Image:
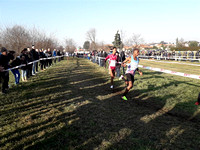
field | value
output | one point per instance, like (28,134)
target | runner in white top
(132,67)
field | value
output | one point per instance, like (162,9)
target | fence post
(99,61)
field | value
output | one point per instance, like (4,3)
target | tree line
(18,37)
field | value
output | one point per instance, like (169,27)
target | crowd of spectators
(164,53)
(30,60)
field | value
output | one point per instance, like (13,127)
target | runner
(132,67)
(112,65)
(198,101)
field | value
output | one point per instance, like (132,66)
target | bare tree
(100,45)
(181,43)
(41,40)
(16,38)
(70,45)
(135,40)
(60,47)
(91,36)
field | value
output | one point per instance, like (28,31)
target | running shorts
(112,68)
(130,77)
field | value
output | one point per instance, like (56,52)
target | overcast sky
(155,20)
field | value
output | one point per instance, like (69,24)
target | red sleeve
(107,57)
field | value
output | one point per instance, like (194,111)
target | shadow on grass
(90,116)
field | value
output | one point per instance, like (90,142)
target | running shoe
(197,103)
(124,98)
(111,86)
(121,77)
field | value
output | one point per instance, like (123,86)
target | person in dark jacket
(4,62)
(37,58)
(49,54)
(16,62)
(30,59)
(123,57)
(24,69)
(34,57)
(59,54)
(118,65)
(42,62)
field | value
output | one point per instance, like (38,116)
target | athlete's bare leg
(112,75)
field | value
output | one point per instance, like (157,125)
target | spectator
(42,62)
(4,62)
(89,55)
(58,54)
(62,54)
(118,65)
(198,100)
(67,55)
(30,66)
(37,58)
(104,54)
(49,54)
(16,62)
(123,57)
(34,57)
(54,55)
(45,60)
(24,61)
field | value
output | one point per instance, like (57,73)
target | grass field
(173,66)
(70,106)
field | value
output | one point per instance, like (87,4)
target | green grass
(70,106)
(173,66)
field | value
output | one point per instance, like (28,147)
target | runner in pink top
(112,64)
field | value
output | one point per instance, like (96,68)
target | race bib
(112,63)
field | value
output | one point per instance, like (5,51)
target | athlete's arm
(107,57)
(124,62)
(140,72)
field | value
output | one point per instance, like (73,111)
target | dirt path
(92,117)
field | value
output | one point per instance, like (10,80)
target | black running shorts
(130,77)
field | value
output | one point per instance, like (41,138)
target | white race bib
(112,63)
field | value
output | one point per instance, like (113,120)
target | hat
(3,49)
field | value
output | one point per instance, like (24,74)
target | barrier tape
(17,67)
(173,62)
(171,72)
(173,57)
(165,71)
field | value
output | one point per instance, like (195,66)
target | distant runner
(132,67)
(198,101)
(112,65)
